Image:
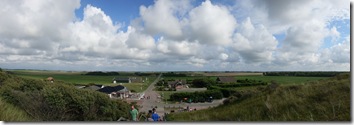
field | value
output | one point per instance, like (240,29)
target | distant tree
(200,83)
(0,70)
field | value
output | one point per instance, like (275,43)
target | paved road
(148,104)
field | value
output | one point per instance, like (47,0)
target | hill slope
(325,100)
(37,100)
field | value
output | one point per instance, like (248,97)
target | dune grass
(10,113)
(325,100)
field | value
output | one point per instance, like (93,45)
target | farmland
(78,78)
(287,80)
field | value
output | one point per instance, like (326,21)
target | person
(155,116)
(134,113)
(149,116)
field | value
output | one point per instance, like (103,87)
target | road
(148,104)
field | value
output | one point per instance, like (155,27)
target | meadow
(287,80)
(78,78)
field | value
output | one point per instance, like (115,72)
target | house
(51,79)
(226,80)
(121,80)
(94,87)
(177,84)
(115,91)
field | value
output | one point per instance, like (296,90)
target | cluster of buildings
(118,91)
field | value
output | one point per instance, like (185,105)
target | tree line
(99,73)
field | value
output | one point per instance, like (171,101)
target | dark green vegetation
(196,96)
(39,100)
(306,74)
(323,100)
(99,73)
(173,74)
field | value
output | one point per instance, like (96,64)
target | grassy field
(289,80)
(79,79)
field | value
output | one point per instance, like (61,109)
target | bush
(196,96)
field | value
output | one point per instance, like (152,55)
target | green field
(288,80)
(78,79)
(278,79)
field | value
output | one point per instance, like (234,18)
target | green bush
(196,96)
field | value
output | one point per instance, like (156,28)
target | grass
(324,100)
(10,113)
(166,94)
(287,80)
(78,78)
(185,78)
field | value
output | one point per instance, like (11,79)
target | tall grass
(325,100)
(10,113)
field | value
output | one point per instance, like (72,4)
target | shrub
(196,96)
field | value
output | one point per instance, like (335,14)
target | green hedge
(197,96)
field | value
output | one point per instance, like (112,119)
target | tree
(200,83)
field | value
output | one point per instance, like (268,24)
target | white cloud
(46,34)
(139,40)
(159,19)
(224,56)
(212,24)
(255,44)
(36,24)
(339,53)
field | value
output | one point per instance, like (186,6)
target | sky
(175,35)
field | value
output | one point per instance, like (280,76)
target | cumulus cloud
(212,24)
(175,35)
(339,53)
(255,44)
(160,19)
(34,26)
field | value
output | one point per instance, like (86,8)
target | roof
(110,89)
(226,79)
(120,78)
(174,83)
(50,78)
(93,87)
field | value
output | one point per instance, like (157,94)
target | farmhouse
(226,80)
(115,91)
(51,79)
(177,84)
